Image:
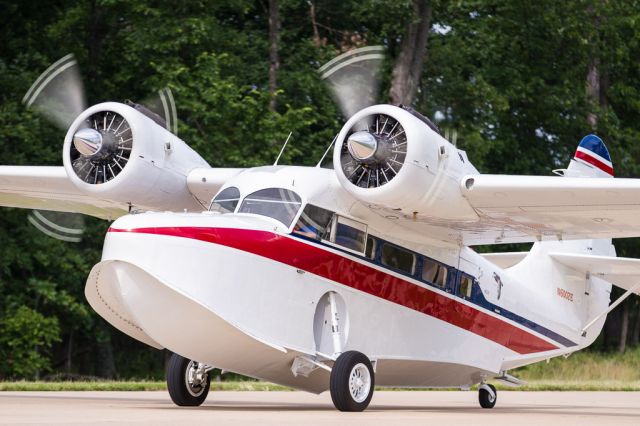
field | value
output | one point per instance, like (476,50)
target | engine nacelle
(115,152)
(387,157)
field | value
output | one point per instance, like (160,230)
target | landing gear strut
(351,382)
(188,381)
(487,395)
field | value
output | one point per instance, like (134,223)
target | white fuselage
(249,294)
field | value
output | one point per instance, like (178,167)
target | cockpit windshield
(226,201)
(278,203)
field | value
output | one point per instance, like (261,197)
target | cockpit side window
(278,203)
(314,222)
(226,201)
(321,224)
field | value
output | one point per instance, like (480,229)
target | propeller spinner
(101,151)
(371,158)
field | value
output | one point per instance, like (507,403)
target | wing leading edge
(49,188)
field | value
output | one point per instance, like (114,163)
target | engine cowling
(115,152)
(387,157)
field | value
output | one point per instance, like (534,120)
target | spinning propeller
(101,146)
(375,148)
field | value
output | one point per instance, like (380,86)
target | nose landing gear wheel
(187,381)
(487,395)
(351,382)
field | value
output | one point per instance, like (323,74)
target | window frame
(460,277)
(299,217)
(412,273)
(445,285)
(374,249)
(240,198)
(294,218)
(347,221)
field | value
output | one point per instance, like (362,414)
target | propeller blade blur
(163,104)
(58,94)
(354,78)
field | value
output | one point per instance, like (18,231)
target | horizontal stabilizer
(622,272)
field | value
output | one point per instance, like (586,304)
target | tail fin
(591,159)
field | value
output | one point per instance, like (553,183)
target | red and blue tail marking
(592,151)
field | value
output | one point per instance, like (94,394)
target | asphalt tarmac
(298,408)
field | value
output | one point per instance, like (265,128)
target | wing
(622,272)
(49,188)
(529,208)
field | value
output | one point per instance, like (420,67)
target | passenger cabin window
(349,233)
(398,258)
(226,201)
(466,284)
(370,249)
(314,222)
(321,224)
(434,272)
(278,203)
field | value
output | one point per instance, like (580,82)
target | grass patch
(82,386)
(577,385)
(588,367)
(583,371)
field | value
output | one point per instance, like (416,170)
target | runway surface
(294,408)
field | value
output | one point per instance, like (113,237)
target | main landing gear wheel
(487,395)
(351,382)
(187,381)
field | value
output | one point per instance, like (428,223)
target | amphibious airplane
(340,278)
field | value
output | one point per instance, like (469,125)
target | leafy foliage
(25,336)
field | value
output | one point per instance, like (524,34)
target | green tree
(25,338)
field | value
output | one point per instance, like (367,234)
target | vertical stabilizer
(591,159)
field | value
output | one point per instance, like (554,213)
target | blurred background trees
(517,83)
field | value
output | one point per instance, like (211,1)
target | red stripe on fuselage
(348,272)
(595,162)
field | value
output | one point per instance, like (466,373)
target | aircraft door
(331,324)
(465,276)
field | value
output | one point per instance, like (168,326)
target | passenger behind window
(314,222)
(398,258)
(466,284)
(434,273)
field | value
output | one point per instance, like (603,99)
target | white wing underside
(547,207)
(518,209)
(49,188)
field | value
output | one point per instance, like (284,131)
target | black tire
(181,392)
(485,398)
(339,382)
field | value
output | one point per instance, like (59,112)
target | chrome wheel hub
(196,376)
(359,382)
